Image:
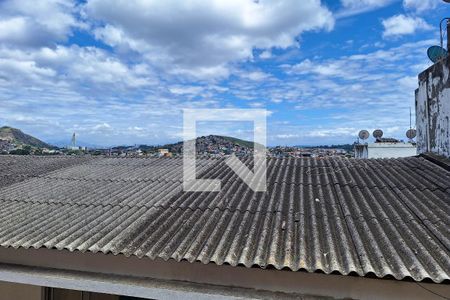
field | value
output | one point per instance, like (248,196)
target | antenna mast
(442,34)
(410,116)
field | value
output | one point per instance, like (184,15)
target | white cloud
(103,127)
(200,38)
(287,136)
(420,5)
(75,65)
(135,91)
(365,67)
(402,25)
(198,72)
(36,23)
(409,82)
(331,68)
(333,132)
(186,90)
(26,69)
(361,91)
(352,7)
(255,75)
(266,54)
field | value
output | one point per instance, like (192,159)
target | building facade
(433,109)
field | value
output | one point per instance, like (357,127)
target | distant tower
(74,141)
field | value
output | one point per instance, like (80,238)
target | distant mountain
(66,143)
(348,147)
(16,136)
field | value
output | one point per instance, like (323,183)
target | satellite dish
(377,133)
(436,53)
(411,133)
(363,134)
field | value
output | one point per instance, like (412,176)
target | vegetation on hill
(239,142)
(211,140)
(16,136)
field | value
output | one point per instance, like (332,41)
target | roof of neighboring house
(386,140)
(381,217)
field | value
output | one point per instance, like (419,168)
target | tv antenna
(363,135)
(441,33)
(410,116)
(436,53)
(377,133)
(411,134)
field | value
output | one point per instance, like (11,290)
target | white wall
(391,150)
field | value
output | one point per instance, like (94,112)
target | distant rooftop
(386,140)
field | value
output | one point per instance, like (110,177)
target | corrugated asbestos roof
(333,215)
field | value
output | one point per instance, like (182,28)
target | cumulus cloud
(331,68)
(352,7)
(135,90)
(369,90)
(420,5)
(330,132)
(408,82)
(201,37)
(287,136)
(364,67)
(186,90)
(255,75)
(402,25)
(87,66)
(102,128)
(28,70)
(266,54)
(36,23)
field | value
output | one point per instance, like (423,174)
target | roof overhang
(146,278)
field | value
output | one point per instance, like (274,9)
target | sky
(121,71)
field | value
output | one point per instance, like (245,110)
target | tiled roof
(386,217)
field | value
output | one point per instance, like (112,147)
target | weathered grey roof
(333,215)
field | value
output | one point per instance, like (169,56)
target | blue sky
(120,72)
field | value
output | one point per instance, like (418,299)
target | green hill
(237,141)
(210,142)
(16,136)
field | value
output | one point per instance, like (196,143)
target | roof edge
(205,275)
(439,160)
(423,75)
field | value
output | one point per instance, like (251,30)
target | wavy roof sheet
(332,215)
